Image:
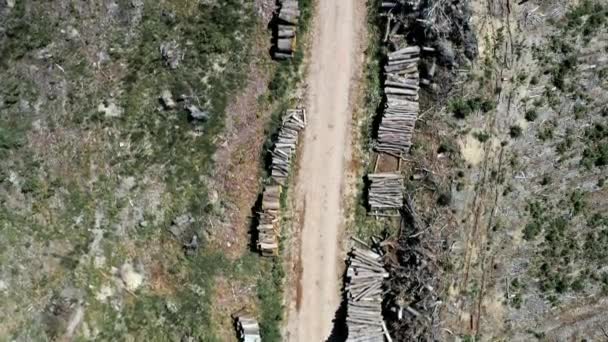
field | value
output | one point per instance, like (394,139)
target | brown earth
(321,180)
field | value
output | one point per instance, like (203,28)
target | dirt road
(320,183)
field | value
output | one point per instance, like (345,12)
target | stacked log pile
(401,110)
(287,19)
(248,330)
(385,191)
(269,229)
(285,146)
(365,277)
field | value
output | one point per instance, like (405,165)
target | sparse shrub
(460,108)
(515,131)
(546,180)
(546,133)
(508,189)
(482,136)
(567,143)
(9,139)
(579,110)
(577,198)
(463,108)
(596,152)
(445,199)
(531,115)
(514,161)
(488,105)
(534,80)
(521,77)
(531,230)
(448,146)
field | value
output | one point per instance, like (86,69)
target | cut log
(285,44)
(364,280)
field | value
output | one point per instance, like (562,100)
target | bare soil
(321,181)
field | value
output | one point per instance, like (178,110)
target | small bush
(460,108)
(9,139)
(445,199)
(482,136)
(521,77)
(577,199)
(463,108)
(515,131)
(531,115)
(579,111)
(531,230)
(448,147)
(488,105)
(534,80)
(546,133)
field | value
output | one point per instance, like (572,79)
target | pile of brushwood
(412,303)
(441,26)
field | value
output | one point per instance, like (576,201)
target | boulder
(196,113)
(131,279)
(167,99)
(171,54)
(180,224)
(110,109)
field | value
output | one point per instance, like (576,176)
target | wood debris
(365,278)
(285,146)
(269,229)
(248,330)
(385,191)
(412,300)
(401,109)
(285,33)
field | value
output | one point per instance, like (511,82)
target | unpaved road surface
(321,177)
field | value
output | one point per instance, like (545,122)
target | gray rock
(197,114)
(167,99)
(214,197)
(103,58)
(171,54)
(180,224)
(72,33)
(110,109)
(171,306)
(44,53)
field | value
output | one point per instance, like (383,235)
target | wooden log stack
(248,330)
(269,229)
(365,277)
(385,191)
(401,109)
(269,226)
(285,146)
(287,20)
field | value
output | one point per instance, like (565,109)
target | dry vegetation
(528,202)
(507,173)
(103,180)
